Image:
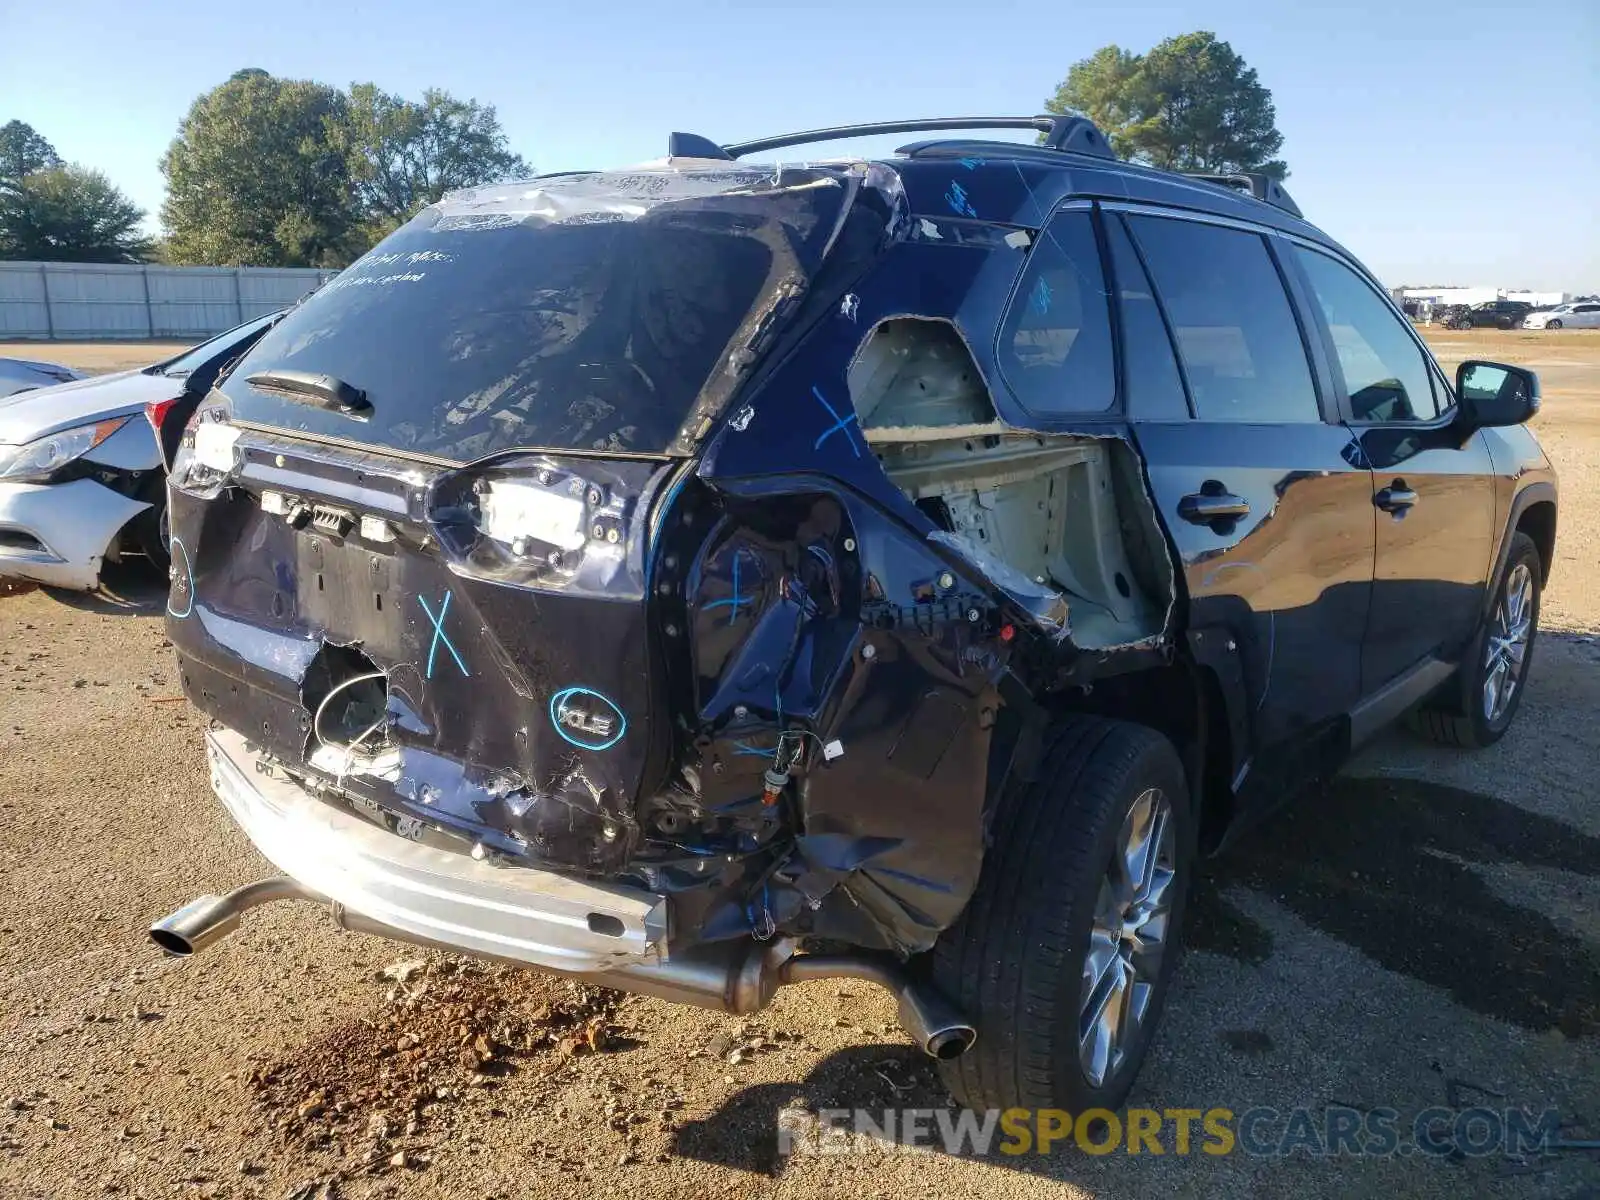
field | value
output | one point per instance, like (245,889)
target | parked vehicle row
(1490,314)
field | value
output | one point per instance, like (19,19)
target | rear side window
(1152,388)
(1237,335)
(1385,372)
(1055,343)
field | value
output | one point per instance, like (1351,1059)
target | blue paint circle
(622,719)
(179,549)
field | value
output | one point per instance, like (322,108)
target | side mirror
(1496,394)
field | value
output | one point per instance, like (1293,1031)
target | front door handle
(1212,503)
(1396,498)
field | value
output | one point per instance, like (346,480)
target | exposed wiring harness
(351,746)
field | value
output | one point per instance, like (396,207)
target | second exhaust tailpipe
(926,1015)
(742,978)
(734,977)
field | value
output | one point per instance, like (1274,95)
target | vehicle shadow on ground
(1401,869)
(1405,871)
(133,588)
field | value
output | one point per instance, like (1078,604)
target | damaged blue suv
(707,577)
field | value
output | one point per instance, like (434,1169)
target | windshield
(580,313)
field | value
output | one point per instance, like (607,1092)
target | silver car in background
(1580,314)
(83,465)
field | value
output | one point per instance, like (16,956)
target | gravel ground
(1424,932)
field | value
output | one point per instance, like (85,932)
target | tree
(1190,104)
(254,177)
(69,214)
(403,155)
(23,150)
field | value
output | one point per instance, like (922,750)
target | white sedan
(1581,315)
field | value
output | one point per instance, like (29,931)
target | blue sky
(1441,141)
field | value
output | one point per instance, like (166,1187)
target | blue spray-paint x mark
(734,601)
(840,424)
(439,635)
(956,198)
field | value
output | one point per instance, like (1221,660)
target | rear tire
(1470,713)
(1033,961)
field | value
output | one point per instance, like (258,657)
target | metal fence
(94,300)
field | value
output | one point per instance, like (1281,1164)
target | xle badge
(585,718)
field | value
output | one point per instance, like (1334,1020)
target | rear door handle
(1395,498)
(1212,502)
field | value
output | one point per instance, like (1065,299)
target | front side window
(1055,343)
(1385,371)
(1236,333)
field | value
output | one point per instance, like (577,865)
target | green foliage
(23,150)
(274,172)
(69,214)
(253,178)
(404,155)
(1190,104)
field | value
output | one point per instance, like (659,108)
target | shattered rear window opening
(585,313)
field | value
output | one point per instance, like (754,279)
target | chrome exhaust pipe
(927,1016)
(736,977)
(208,919)
(743,977)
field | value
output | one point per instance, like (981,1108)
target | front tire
(151,530)
(1489,684)
(1552,324)
(1064,956)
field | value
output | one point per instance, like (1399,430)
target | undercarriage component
(738,977)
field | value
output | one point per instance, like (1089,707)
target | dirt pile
(369,1090)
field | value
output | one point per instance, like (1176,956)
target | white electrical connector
(376,529)
(833,750)
(274,503)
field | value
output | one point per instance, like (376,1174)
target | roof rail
(1262,187)
(1067,133)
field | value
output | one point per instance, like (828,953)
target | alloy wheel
(1510,632)
(1129,936)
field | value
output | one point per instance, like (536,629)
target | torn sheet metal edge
(753,338)
(1047,606)
(875,434)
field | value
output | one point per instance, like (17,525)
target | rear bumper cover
(57,534)
(526,915)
